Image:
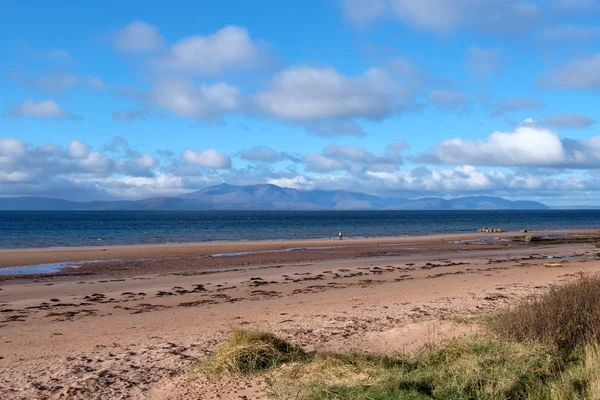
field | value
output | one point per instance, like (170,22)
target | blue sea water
(27,229)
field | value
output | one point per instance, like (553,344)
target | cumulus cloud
(45,109)
(464,178)
(138,37)
(482,62)
(448,99)
(353,159)
(321,163)
(515,104)
(568,121)
(209,158)
(74,164)
(423,181)
(580,74)
(267,154)
(184,99)
(226,49)
(322,96)
(77,171)
(528,145)
(78,149)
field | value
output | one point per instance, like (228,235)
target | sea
(34,229)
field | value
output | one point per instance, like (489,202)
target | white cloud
(184,99)
(209,158)
(138,37)
(263,154)
(529,145)
(228,48)
(320,163)
(78,149)
(310,95)
(74,163)
(266,154)
(45,109)
(96,163)
(460,179)
(146,161)
(581,74)
(296,182)
(11,149)
(353,159)
(76,172)
(361,156)
(139,187)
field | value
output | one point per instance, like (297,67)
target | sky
(398,98)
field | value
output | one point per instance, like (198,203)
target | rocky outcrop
(485,229)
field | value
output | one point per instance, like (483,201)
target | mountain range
(271,197)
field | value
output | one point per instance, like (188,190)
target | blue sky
(401,98)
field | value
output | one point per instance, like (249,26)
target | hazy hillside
(271,197)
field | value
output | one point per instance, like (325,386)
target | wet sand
(18,257)
(133,328)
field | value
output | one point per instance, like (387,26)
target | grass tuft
(567,316)
(546,347)
(251,351)
(465,368)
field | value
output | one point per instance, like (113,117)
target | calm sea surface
(23,229)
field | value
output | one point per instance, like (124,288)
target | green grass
(466,368)
(249,352)
(543,348)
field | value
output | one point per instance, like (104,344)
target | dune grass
(567,316)
(249,352)
(543,348)
(465,368)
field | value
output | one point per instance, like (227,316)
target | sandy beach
(133,325)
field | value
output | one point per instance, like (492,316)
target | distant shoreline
(32,256)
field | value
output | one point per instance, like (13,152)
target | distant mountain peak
(267,196)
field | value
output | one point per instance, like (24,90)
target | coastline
(34,256)
(132,328)
(147,314)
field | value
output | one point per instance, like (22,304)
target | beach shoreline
(134,328)
(33,256)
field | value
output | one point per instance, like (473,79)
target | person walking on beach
(340,234)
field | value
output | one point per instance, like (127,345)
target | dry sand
(134,327)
